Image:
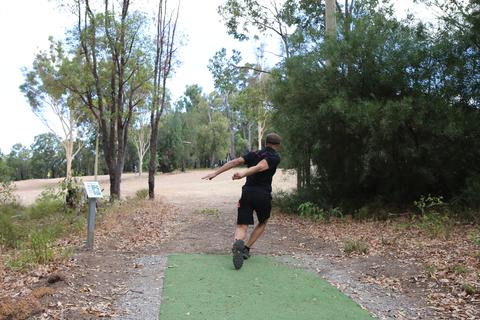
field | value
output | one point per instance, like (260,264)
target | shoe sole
(237,251)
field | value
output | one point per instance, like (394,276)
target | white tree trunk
(260,134)
(330,18)
(68,144)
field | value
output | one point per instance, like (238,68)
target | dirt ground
(172,187)
(122,277)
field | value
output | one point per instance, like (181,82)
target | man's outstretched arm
(227,166)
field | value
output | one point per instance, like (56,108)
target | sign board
(93,189)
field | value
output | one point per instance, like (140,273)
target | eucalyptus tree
(254,103)
(48,96)
(108,72)
(227,78)
(246,19)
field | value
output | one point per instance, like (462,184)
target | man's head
(273,140)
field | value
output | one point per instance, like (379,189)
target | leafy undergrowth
(448,261)
(130,226)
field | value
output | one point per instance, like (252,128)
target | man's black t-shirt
(261,180)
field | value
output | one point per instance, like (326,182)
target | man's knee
(263,223)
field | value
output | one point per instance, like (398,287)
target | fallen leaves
(441,271)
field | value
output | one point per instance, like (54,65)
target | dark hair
(273,138)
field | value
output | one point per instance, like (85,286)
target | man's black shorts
(260,202)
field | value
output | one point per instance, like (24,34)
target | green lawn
(207,287)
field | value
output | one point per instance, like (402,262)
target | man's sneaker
(246,253)
(237,250)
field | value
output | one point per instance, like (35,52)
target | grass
(141,194)
(208,212)
(28,234)
(355,246)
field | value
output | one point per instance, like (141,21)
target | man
(256,194)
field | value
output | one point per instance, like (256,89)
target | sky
(25,26)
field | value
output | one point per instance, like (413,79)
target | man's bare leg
(256,233)
(241,232)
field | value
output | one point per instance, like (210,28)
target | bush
(73,192)
(40,244)
(141,194)
(434,217)
(8,232)
(470,196)
(355,246)
(49,203)
(208,212)
(289,202)
(7,195)
(311,210)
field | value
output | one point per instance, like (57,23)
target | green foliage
(7,195)
(73,193)
(141,194)
(289,202)
(460,269)
(29,232)
(208,212)
(40,246)
(355,246)
(429,203)
(388,119)
(436,223)
(49,203)
(475,237)
(311,210)
(470,289)
(431,271)
(48,157)
(9,233)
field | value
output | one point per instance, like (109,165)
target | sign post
(94,192)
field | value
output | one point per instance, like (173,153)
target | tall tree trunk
(165,39)
(152,166)
(249,130)
(68,157)
(95,166)
(140,164)
(330,18)
(260,134)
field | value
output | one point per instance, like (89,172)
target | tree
(164,53)
(254,103)
(47,156)
(48,96)
(141,138)
(244,17)
(19,160)
(395,118)
(5,170)
(113,67)
(227,78)
(331,19)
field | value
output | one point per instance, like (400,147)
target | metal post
(92,210)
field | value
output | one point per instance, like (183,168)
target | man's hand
(210,176)
(238,176)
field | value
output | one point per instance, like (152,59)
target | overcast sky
(25,26)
